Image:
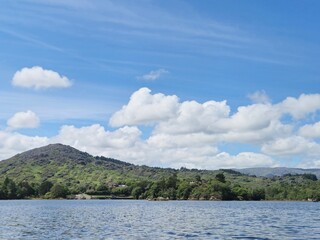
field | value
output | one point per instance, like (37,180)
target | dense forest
(59,171)
(290,187)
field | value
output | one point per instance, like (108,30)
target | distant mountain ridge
(278,171)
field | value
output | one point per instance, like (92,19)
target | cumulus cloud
(145,108)
(39,78)
(192,117)
(300,107)
(96,138)
(248,118)
(259,97)
(293,145)
(26,119)
(12,143)
(189,133)
(153,75)
(191,125)
(177,117)
(309,163)
(310,130)
(190,151)
(245,159)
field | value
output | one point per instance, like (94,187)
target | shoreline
(151,200)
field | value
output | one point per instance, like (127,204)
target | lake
(129,219)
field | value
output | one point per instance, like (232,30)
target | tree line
(23,190)
(289,187)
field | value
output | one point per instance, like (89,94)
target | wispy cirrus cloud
(61,107)
(146,21)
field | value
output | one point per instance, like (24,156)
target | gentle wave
(128,219)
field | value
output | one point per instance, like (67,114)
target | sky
(199,84)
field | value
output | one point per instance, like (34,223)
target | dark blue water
(115,219)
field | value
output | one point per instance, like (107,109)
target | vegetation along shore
(59,171)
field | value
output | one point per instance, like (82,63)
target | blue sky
(203,84)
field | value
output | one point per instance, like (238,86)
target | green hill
(278,171)
(73,168)
(57,170)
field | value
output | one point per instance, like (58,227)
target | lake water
(127,219)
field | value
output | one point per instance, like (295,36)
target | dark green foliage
(58,191)
(45,187)
(121,191)
(9,188)
(310,176)
(184,190)
(220,177)
(25,190)
(172,181)
(136,192)
(257,194)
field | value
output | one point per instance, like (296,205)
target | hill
(58,170)
(67,165)
(278,171)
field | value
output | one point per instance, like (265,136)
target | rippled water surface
(117,219)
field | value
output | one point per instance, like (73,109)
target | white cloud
(259,136)
(96,139)
(293,145)
(245,159)
(259,97)
(153,75)
(191,127)
(192,117)
(163,140)
(174,117)
(26,119)
(248,118)
(39,78)
(300,107)
(145,108)
(310,130)
(12,143)
(192,151)
(189,133)
(313,163)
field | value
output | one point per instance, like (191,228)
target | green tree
(172,181)
(220,177)
(25,190)
(154,190)
(58,191)
(136,192)
(9,188)
(2,194)
(184,190)
(197,178)
(45,187)
(310,176)
(241,193)
(258,194)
